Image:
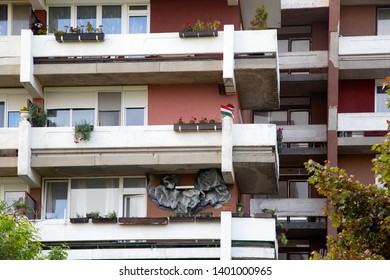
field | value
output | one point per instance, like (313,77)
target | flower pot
(104,220)
(200,33)
(79,220)
(25,114)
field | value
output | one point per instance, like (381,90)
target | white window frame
(129,13)
(123,192)
(378,83)
(377,19)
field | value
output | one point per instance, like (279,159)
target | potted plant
(25,113)
(38,115)
(82,131)
(21,206)
(181,217)
(240,209)
(207,217)
(281,234)
(200,29)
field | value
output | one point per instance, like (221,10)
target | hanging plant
(82,131)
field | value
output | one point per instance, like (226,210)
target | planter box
(104,220)
(81,37)
(201,33)
(143,221)
(208,219)
(79,220)
(181,219)
(197,127)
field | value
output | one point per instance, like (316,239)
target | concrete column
(25,171)
(228,60)
(227,150)
(226,235)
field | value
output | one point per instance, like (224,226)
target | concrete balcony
(301,142)
(159,58)
(9,138)
(10,61)
(364,57)
(295,12)
(359,131)
(242,151)
(222,239)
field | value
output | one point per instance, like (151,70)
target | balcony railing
(359,131)
(303,60)
(173,240)
(302,4)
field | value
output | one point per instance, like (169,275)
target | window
(20,18)
(134,197)
(63,117)
(59,17)
(135,116)
(138,19)
(112,19)
(380,99)
(1,114)
(13,119)
(291,189)
(56,199)
(91,195)
(383,21)
(109,108)
(86,14)
(3,20)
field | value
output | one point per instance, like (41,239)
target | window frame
(138,13)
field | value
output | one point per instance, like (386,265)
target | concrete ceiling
(304,16)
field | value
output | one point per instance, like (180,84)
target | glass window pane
(134,183)
(85,14)
(299,118)
(56,199)
(261,117)
(80,115)
(283,193)
(20,18)
(109,118)
(134,206)
(299,189)
(3,20)
(58,118)
(1,114)
(13,119)
(279,117)
(300,45)
(380,100)
(94,195)
(59,17)
(384,21)
(135,116)
(112,19)
(137,24)
(282,46)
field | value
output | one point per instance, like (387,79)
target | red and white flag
(227,110)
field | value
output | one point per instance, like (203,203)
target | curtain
(112,19)
(3,20)
(384,21)
(59,17)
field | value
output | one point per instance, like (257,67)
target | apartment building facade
(307,87)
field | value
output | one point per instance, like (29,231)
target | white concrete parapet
(301,4)
(303,60)
(304,133)
(363,121)
(364,45)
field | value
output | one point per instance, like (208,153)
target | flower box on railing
(104,220)
(143,221)
(81,37)
(197,127)
(200,33)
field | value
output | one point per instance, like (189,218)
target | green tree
(19,239)
(360,213)
(259,22)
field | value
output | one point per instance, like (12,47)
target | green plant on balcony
(82,131)
(38,115)
(259,22)
(21,206)
(77,34)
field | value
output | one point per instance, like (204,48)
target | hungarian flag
(227,110)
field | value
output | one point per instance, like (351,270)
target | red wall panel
(358,20)
(170,15)
(356,96)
